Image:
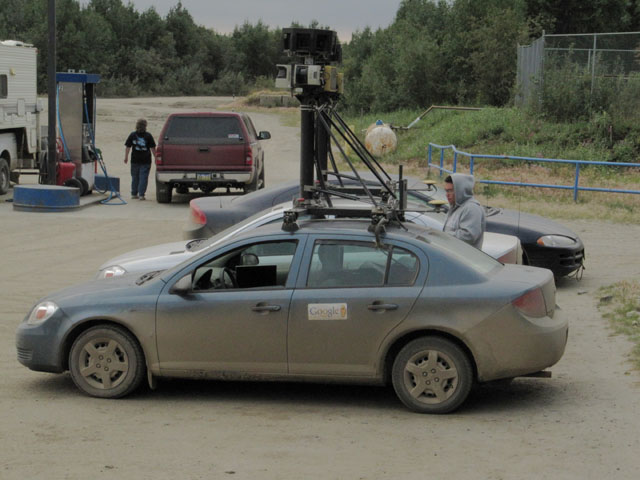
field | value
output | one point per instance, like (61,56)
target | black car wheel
(262,184)
(107,362)
(432,375)
(4,176)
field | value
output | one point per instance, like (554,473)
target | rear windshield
(470,256)
(225,129)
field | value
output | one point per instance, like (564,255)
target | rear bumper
(211,178)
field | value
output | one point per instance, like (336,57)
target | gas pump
(76,112)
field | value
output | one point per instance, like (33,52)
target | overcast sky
(343,16)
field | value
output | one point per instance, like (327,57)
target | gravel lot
(581,424)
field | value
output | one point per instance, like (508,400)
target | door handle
(203,149)
(266,308)
(382,306)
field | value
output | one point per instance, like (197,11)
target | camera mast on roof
(314,78)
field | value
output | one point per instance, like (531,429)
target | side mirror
(182,286)
(264,136)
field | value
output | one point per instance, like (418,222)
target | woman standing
(143,145)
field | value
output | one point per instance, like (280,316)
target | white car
(505,248)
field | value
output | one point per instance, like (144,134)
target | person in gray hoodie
(465,218)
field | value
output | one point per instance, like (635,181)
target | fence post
(455,161)
(471,164)
(575,185)
(441,161)
(429,156)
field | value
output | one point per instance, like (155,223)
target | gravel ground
(580,424)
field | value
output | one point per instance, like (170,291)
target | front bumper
(38,347)
(561,261)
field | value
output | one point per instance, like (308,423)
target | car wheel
(4,176)
(432,375)
(73,183)
(261,179)
(207,188)
(163,192)
(106,362)
(85,186)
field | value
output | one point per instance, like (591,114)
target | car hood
(105,291)
(530,226)
(157,257)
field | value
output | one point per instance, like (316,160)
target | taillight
(158,156)
(531,303)
(248,161)
(197,215)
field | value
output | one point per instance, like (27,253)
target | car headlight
(112,271)
(555,241)
(42,312)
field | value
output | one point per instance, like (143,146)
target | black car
(545,243)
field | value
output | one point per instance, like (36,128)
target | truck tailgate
(208,157)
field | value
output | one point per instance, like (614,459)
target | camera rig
(313,76)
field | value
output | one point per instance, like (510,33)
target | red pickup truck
(207,150)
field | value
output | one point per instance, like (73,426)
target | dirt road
(581,424)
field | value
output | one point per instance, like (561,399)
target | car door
(349,296)
(239,329)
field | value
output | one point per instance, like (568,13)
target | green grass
(511,131)
(620,304)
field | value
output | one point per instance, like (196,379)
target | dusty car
(331,302)
(545,243)
(504,248)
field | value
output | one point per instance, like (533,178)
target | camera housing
(315,54)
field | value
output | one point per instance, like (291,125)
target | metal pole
(307,134)
(593,66)
(51,93)
(322,140)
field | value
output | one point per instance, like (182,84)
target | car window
(250,128)
(263,264)
(204,128)
(359,264)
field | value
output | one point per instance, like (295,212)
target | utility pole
(51,93)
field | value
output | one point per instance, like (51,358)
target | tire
(74,183)
(261,178)
(85,186)
(432,375)
(163,192)
(4,177)
(207,188)
(106,362)
(253,186)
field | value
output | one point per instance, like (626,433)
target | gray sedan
(329,302)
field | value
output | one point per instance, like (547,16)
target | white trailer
(21,144)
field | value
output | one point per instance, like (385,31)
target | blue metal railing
(575,187)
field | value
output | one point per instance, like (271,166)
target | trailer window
(3,86)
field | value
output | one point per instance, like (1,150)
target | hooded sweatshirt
(465,220)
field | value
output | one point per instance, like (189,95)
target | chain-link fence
(596,55)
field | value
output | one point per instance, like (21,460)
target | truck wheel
(163,192)
(4,176)
(262,184)
(253,186)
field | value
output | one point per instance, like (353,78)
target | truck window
(204,128)
(4,90)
